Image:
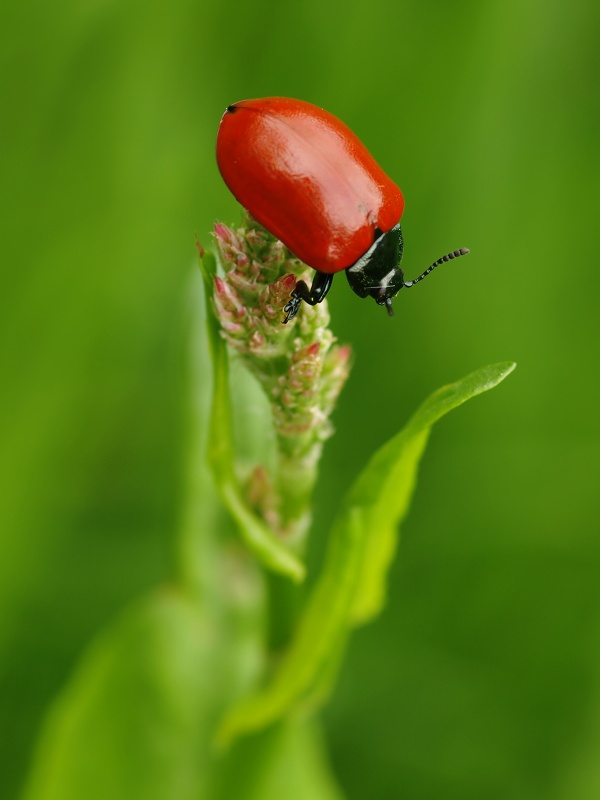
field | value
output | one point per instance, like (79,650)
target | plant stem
(283,602)
(296,478)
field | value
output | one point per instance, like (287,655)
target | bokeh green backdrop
(482,678)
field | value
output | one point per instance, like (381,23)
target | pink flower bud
(224,233)
(276,295)
(227,300)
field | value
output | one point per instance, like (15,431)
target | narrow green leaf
(271,552)
(384,488)
(351,588)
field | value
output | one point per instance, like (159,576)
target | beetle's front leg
(316,294)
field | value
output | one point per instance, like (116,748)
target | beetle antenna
(454,254)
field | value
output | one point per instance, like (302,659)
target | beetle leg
(291,308)
(316,294)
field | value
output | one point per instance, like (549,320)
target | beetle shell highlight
(307,179)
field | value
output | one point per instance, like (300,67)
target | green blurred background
(482,678)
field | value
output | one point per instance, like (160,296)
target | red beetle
(311,182)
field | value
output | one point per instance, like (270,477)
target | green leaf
(135,720)
(314,645)
(271,552)
(384,489)
(351,588)
(287,761)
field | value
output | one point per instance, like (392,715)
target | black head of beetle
(377,274)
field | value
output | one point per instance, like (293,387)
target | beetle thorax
(378,272)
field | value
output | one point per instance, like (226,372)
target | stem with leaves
(302,372)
